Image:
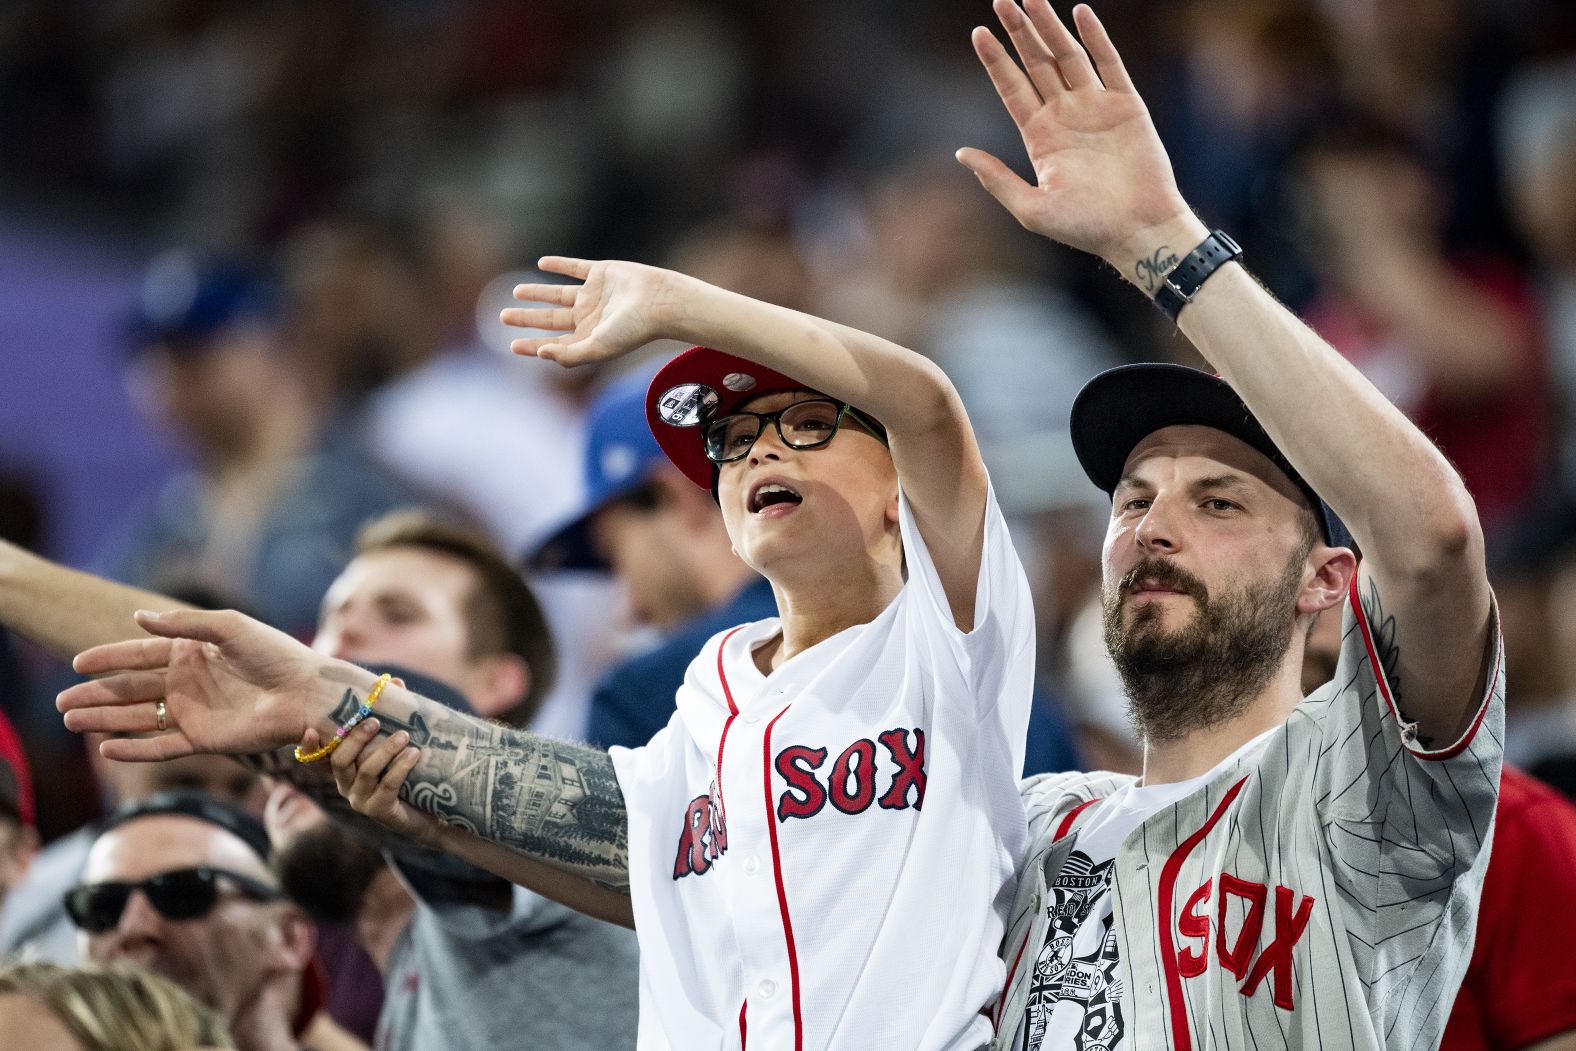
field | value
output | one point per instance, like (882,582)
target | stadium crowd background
(1402,172)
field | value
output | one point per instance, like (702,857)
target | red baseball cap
(16,786)
(698,385)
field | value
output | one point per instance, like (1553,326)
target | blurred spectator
(180,885)
(468,960)
(46,1007)
(1250,79)
(440,601)
(1433,69)
(1454,341)
(269,509)
(1538,137)
(18,822)
(497,437)
(945,271)
(663,540)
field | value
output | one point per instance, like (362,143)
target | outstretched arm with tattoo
(1103,184)
(236,686)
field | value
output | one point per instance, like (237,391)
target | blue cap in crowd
(186,298)
(620,452)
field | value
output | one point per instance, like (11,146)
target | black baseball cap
(186,802)
(1122,406)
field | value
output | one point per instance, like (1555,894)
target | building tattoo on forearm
(553,801)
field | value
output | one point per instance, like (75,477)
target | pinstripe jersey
(1319,891)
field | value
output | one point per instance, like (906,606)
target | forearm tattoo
(552,801)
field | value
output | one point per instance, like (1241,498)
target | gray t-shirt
(539,976)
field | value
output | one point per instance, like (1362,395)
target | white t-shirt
(1075,998)
(822,858)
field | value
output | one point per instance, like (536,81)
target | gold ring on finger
(163,715)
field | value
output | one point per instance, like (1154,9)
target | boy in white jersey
(1286,873)
(818,850)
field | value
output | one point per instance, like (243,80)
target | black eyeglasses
(802,425)
(182,894)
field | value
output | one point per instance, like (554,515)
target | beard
(1209,670)
(326,870)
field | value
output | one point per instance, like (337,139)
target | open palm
(230,685)
(1100,170)
(618,307)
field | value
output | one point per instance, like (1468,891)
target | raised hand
(228,683)
(617,308)
(1102,177)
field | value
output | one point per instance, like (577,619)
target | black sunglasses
(182,894)
(803,425)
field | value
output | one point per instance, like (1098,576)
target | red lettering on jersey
(1194,923)
(1234,954)
(1277,955)
(852,783)
(797,764)
(863,774)
(910,769)
(1236,958)
(703,840)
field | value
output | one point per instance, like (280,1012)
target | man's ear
(498,683)
(1331,580)
(297,939)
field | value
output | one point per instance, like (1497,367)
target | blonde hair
(117,1008)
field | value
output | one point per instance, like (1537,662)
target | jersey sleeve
(1003,611)
(1408,827)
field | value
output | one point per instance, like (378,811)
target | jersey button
(752,717)
(766,989)
(752,865)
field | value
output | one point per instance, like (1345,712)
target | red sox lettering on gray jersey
(1320,891)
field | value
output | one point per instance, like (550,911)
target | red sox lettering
(851,783)
(850,786)
(704,838)
(1235,954)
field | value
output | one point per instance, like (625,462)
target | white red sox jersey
(823,857)
(1320,890)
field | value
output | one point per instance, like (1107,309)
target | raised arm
(621,306)
(1105,185)
(64,610)
(236,686)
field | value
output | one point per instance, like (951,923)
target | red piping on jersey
(782,893)
(1181,1037)
(1384,688)
(1072,815)
(1001,1001)
(1061,830)
(733,713)
(745,1006)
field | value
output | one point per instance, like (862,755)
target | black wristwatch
(1182,283)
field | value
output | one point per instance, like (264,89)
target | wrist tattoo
(416,726)
(1148,273)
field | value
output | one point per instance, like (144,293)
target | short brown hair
(117,1008)
(502,614)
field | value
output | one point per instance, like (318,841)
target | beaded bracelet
(350,724)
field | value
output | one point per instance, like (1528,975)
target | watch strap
(1182,283)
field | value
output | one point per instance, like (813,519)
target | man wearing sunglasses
(179,884)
